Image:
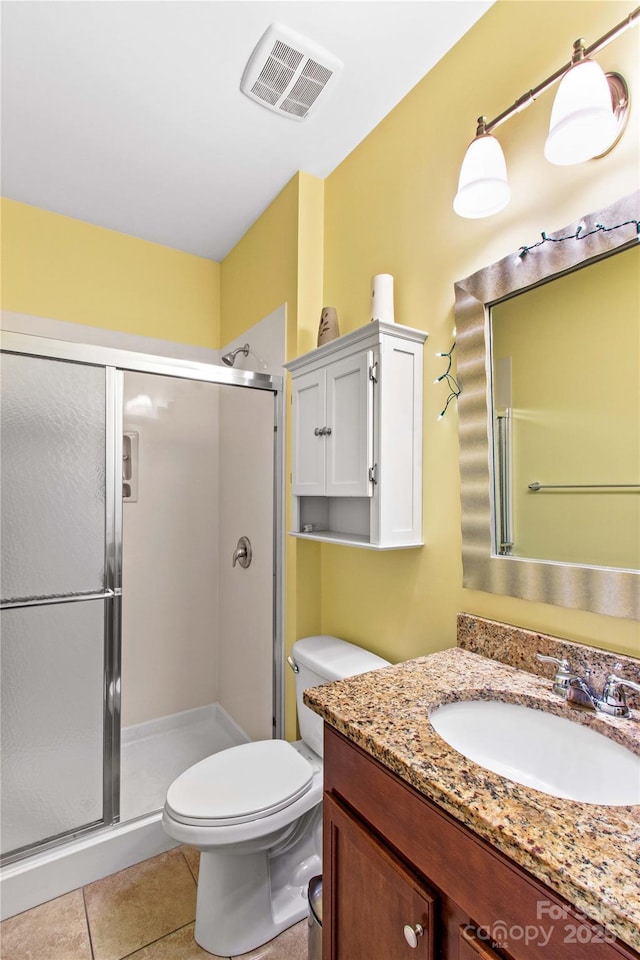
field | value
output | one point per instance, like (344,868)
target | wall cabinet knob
(318,432)
(411,934)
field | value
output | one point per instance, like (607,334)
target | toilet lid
(242,783)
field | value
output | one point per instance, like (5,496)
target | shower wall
(246,665)
(195,630)
(246,596)
(170,556)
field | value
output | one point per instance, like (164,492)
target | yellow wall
(278,260)
(260,273)
(388,209)
(64,269)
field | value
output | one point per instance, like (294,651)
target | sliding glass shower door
(62,483)
(59,589)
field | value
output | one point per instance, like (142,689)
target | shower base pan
(163,749)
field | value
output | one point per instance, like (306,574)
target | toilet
(255,814)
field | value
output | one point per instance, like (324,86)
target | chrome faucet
(613,700)
(580,692)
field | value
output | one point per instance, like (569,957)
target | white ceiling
(128,115)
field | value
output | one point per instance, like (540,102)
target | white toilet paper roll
(382,298)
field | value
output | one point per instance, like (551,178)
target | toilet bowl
(255,813)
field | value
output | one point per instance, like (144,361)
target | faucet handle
(563,675)
(613,693)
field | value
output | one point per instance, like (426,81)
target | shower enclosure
(131,647)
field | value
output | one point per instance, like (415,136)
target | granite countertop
(590,854)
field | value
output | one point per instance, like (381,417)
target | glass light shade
(482,187)
(583,124)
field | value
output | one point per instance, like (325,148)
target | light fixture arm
(580,52)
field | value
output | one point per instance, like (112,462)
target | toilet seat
(240,784)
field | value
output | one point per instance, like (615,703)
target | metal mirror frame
(605,590)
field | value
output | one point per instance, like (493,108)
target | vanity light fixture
(583,119)
(482,188)
(587,120)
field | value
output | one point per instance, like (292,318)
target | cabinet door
(309,444)
(350,419)
(370,896)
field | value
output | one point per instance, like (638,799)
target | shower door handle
(130,466)
(243,553)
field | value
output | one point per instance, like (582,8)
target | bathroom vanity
(428,854)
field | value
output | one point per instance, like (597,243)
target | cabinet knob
(318,432)
(411,934)
(327,431)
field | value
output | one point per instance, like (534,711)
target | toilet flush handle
(294,666)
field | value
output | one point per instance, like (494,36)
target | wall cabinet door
(333,429)
(309,447)
(350,419)
(378,908)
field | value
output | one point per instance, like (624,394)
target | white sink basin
(541,750)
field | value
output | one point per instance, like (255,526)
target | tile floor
(145,912)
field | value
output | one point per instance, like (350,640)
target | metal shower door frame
(116,363)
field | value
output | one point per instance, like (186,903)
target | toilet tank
(319,660)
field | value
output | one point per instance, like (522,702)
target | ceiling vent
(287,73)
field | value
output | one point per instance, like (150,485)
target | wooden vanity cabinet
(392,858)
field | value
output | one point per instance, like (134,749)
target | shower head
(230,358)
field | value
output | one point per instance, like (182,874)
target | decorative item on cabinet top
(328,328)
(357,439)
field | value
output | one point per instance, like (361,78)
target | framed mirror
(548,343)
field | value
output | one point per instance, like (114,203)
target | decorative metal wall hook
(454,387)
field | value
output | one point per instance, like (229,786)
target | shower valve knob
(243,553)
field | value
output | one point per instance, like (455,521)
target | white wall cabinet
(357,439)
